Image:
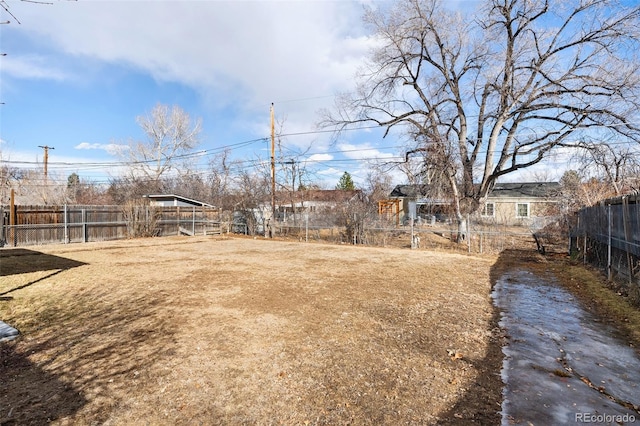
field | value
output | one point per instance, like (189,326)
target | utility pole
(273,168)
(46,157)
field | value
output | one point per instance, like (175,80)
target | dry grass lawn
(203,330)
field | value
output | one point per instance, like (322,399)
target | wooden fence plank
(79,223)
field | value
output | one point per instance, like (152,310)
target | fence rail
(36,225)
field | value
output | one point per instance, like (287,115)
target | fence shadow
(3,295)
(16,261)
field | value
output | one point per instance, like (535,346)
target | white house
(519,204)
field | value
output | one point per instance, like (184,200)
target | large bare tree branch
(499,90)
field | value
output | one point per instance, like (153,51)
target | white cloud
(239,52)
(35,67)
(87,145)
(238,56)
(110,148)
(320,157)
(363,151)
(331,171)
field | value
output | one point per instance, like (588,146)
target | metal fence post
(12,220)
(205,221)
(66,226)
(2,228)
(628,236)
(609,243)
(84,226)
(468,233)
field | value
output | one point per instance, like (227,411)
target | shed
(172,200)
(426,204)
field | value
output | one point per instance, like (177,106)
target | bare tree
(9,177)
(251,191)
(578,191)
(219,180)
(126,188)
(613,163)
(170,138)
(291,174)
(83,192)
(34,188)
(490,93)
(377,186)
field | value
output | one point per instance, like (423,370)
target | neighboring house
(521,204)
(314,201)
(293,207)
(172,200)
(518,204)
(403,198)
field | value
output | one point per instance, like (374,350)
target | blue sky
(77,74)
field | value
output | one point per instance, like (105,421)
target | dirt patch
(242,331)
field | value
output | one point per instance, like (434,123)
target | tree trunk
(462,229)
(462,221)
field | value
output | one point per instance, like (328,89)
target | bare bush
(142,219)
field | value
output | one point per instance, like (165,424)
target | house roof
(409,191)
(500,190)
(525,190)
(171,197)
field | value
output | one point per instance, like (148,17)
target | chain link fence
(37,225)
(607,236)
(482,236)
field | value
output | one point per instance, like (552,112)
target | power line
(112,164)
(242,144)
(239,165)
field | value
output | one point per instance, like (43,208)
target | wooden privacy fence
(608,236)
(34,225)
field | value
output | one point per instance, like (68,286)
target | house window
(489,209)
(522,210)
